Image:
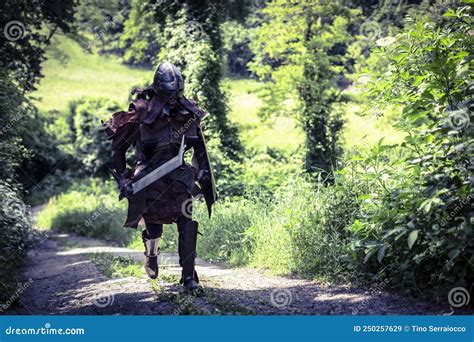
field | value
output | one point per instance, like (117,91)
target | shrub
(425,210)
(90,144)
(91,210)
(14,229)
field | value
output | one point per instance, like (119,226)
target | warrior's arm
(121,142)
(123,130)
(120,160)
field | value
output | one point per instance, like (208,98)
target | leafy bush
(89,209)
(236,50)
(55,183)
(90,144)
(423,216)
(14,228)
(139,40)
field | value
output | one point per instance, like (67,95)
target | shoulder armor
(139,106)
(121,119)
(196,110)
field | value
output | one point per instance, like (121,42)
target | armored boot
(187,255)
(152,250)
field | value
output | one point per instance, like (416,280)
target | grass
(279,133)
(366,131)
(70,72)
(116,266)
(241,231)
(87,213)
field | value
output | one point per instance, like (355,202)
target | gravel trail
(61,278)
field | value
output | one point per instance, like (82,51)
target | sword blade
(160,171)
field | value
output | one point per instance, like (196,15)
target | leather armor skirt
(163,201)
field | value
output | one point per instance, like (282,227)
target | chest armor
(166,130)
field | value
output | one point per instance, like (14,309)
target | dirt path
(62,278)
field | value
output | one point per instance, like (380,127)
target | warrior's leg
(188,230)
(151,239)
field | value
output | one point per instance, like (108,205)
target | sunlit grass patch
(71,72)
(87,213)
(117,266)
(366,130)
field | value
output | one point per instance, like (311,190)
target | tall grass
(87,210)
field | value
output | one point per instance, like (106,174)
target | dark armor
(155,124)
(168,78)
(152,250)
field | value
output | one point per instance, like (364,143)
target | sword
(160,171)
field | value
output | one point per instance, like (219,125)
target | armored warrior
(162,125)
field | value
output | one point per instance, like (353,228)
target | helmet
(168,78)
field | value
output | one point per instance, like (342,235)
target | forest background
(340,131)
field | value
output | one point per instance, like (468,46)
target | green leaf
(394,231)
(417,170)
(412,238)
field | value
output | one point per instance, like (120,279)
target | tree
(27,26)
(191,39)
(302,54)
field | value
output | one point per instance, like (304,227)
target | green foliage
(21,54)
(117,266)
(89,142)
(14,229)
(140,39)
(302,53)
(13,127)
(279,50)
(53,184)
(89,210)
(236,51)
(104,20)
(424,215)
